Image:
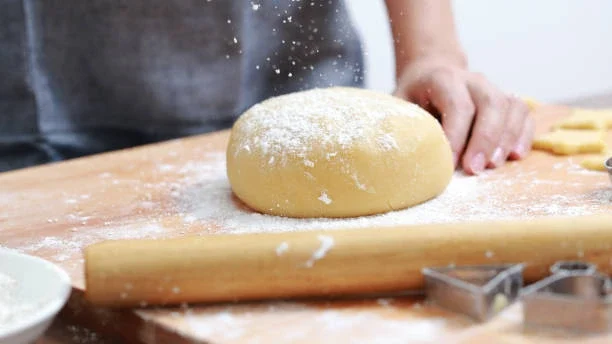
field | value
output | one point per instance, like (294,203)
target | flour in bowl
(12,308)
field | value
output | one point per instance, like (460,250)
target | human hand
(485,126)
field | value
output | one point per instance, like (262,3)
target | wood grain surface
(55,211)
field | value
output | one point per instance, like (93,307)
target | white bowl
(39,284)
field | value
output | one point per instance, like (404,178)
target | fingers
(492,108)
(484,126)
(523,145)
(450,96)
(514,126)
(413,89)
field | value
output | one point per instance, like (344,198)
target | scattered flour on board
(201,194)
(208,199)
(327,242)
(68,246)
(325,198)
(282,248)
(12,308)
(326,325)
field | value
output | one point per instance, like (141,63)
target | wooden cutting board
(179,188)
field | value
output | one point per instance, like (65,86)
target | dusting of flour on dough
(387,142)
(319,115)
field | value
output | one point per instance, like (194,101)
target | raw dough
(596,162)
(337,152)
(599,119)
(570,141)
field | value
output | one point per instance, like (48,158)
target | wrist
(453,57)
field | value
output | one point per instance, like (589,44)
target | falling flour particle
(489,254)
(324,198)
(327,242)
(282,248)
(308,163)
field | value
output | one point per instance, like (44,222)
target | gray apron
(81,77)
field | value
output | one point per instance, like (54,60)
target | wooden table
(153,192)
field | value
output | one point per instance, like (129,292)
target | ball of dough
(337,152)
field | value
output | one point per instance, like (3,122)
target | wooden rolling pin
(315,263)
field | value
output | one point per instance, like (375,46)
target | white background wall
(552,50)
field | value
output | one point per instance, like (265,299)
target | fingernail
(498,157)
(478,163)
(519,150)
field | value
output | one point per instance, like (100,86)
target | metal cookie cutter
(569,266)
(478,291)
(608,165)
(575,297)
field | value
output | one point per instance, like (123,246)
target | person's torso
(167,68)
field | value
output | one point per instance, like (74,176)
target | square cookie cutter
(478,291)
(574,297)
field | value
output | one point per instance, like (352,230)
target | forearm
(423,28)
